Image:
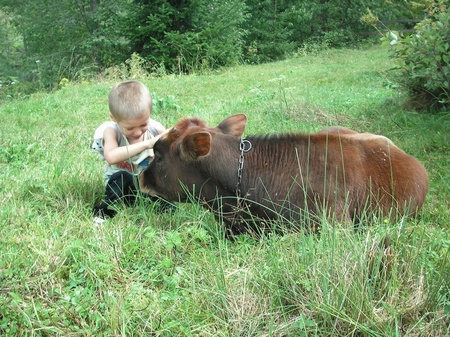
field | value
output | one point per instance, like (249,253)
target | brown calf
(337,173)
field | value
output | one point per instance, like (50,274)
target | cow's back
(346,174)
(379,178)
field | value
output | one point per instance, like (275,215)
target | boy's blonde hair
(130,99)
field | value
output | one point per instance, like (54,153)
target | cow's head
(185,152)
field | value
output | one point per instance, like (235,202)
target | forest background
(43,42)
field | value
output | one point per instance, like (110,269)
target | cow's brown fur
(336,172)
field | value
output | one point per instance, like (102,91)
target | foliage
(269,30)
(70,40)
(78,39)
(8,46)
(278,28)
(187,36)
(144,273)
(424,61)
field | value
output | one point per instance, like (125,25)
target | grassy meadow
(149,274)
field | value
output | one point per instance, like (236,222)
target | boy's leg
(121,186)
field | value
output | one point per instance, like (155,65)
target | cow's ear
(233,125)
(196,145)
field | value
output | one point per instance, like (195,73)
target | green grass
(150,274)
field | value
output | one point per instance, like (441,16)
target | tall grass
(146,273)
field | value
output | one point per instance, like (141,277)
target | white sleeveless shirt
(135,164)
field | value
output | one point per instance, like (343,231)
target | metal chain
(244,146)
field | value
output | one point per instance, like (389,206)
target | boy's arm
(114,153)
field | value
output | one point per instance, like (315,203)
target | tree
(188,35)
(75,38)
(60,41)
(10,46)
(270,28)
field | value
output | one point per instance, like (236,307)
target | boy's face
(133,128)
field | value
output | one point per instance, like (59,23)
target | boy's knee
(122,179)
(121,184)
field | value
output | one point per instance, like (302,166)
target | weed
(147,273)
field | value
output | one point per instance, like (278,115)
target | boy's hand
(151,142)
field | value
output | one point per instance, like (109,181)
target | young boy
(126,143)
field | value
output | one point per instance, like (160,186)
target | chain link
(244,147)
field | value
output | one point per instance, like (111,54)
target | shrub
(424,61)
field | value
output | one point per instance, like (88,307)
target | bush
(424,61)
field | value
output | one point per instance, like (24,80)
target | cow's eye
(157,158)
